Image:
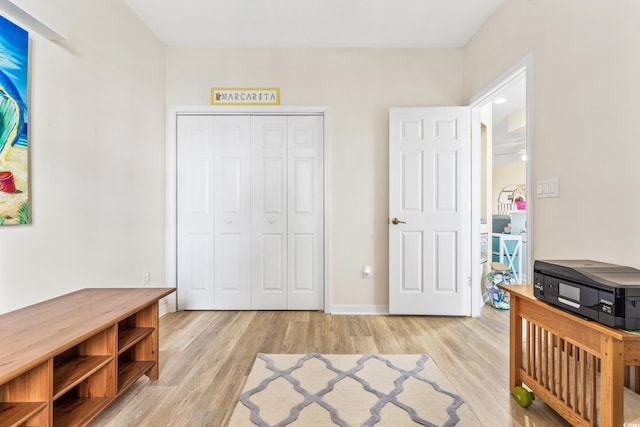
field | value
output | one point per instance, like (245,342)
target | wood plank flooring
(206,356)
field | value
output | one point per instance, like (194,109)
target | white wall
(586,56)
(97,146)
(359,86)
(97,136)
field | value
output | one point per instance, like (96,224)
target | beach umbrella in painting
(12,110)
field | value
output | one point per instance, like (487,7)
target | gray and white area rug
(314,390)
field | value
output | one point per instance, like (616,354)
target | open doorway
(505,191)
(502,174)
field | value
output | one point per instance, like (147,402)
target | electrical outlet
(146,277)
(367,272)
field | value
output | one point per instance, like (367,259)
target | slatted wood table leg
(611,381)
(515,351)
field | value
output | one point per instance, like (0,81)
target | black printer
(607,293)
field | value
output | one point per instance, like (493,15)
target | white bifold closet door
(287,212)
(250,212)
(214,212)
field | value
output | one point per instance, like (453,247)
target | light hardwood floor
(206,356)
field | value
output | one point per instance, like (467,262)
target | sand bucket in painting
(7,184)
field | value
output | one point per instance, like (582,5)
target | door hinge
(469,281)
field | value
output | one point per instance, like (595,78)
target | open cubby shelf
(15,414)
(74,411)
(128,337)
(63,361)
(73,372)
(129,372)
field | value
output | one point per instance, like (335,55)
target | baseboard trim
(359,309)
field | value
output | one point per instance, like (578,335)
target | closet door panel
(272,275)
(195,235)
(269,214)
(303,262)
(305,212)
(273,186)
(229,260)
(232,222)
(303,196)
(272,224)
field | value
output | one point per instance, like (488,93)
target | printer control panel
(567,295)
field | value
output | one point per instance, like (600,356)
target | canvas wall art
(14,147)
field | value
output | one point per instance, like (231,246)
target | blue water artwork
(14,164)
(14,48)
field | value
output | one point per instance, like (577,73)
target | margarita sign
(245,96)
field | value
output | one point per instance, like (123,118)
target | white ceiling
(314,23)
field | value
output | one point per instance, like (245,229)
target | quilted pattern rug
(349,390)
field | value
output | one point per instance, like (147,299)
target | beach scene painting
(14,145)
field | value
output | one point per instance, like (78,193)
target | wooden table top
(33,334)
(526,292)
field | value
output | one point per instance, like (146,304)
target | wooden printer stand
(571,363)
(64,360)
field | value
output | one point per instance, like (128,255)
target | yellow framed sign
(245,96)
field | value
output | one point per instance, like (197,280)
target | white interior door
(269,215)
(305,213)
(429,198)
(232,219)
(195,238)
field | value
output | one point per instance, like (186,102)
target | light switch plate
(547,188)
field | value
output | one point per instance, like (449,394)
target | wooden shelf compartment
(71,372)
(88,365)
(72,410)
(128,337)
(130,371)
(137,342)
(23,400)
(17,413)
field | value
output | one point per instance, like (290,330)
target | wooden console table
(65,360)
(571,363)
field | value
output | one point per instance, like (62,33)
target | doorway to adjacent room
(502,162)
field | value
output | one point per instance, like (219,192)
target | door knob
(396,221)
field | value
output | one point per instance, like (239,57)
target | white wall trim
(164,305)
(171,179)
(171,205)
(523,68)
(360,309)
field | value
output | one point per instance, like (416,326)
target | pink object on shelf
(521,205)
